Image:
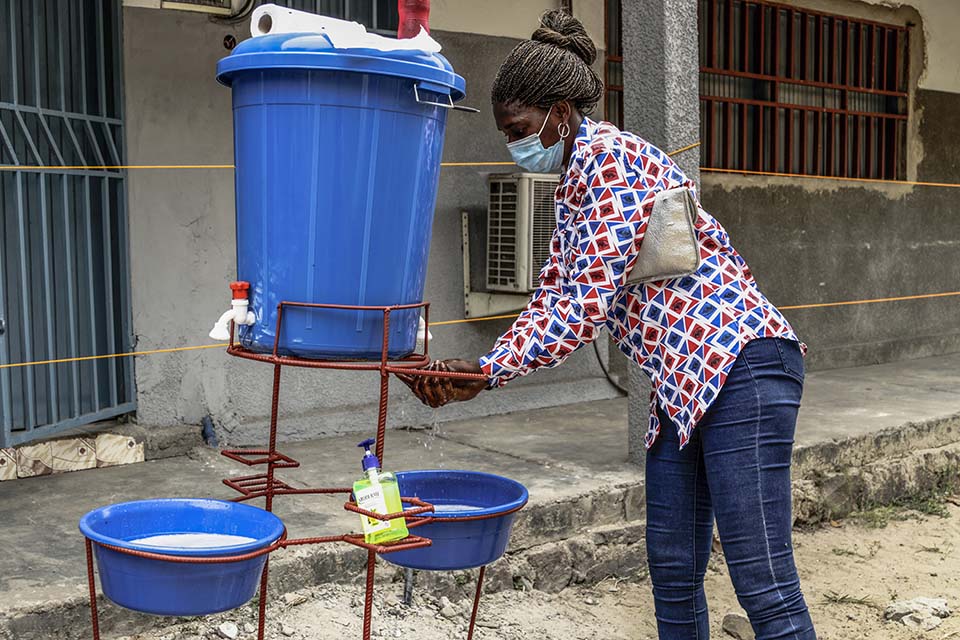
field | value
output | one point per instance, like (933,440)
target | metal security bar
(63,232)
(380,15)
(798,91)
(613,68)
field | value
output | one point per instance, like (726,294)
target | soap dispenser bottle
(378,492)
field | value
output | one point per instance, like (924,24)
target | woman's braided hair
(553,65)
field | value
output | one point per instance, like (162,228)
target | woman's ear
(563,109)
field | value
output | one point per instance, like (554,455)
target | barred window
(380,15)
(795,91)
(613,66)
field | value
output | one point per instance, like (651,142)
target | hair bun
(560,29)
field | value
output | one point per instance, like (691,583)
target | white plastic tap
(238,313)
(422,332)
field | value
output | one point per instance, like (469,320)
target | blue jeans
(736,467)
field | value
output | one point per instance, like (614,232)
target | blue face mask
(530,154)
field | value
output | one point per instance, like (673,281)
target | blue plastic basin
(460,543)
(171,588)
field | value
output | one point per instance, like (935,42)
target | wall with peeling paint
(509,18)
(182,248)
(808,245)
(937,23)
(810,241)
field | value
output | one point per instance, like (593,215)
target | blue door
(63,229)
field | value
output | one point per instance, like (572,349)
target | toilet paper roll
(269,19)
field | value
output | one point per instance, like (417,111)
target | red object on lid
(413,14)
(241,290)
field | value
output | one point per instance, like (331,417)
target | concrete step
(829,494)
(576,539)
(867,436)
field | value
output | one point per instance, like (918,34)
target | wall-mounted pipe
(208,432)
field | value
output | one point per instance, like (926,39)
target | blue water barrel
(337,155)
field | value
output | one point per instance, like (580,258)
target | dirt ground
(850,571)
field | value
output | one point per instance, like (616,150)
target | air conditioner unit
(521,217)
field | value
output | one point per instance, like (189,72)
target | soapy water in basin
(453,508)
(193,540)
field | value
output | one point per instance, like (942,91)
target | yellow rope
(908,183)
(462,320)
(466,320)
(477,164)
(686,148)
(111,355)
(117,167)
(792,307)
(114,167)
(872,301)
(453,322)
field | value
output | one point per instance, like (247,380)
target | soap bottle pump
(378,492)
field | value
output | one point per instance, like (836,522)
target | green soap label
(371,498)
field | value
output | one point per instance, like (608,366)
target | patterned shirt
(685,333)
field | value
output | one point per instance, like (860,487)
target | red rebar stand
(267,485)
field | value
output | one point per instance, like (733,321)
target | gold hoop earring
(563,130)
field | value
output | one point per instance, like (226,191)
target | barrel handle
(447,105)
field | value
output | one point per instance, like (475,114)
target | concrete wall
(850,243)
(811,241)
(940,21)
(183,249)
(509,18)
(938,29)
(661,103)
(506,18)
(808,241)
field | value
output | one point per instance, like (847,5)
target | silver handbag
(669,248)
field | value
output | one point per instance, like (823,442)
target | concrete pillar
(662,105)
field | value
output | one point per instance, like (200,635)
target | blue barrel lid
(314,51)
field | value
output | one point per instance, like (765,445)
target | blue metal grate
(63,259)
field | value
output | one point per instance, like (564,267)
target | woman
(726,367)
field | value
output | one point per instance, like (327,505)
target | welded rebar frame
(267,485)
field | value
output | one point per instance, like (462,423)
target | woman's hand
(436,391)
